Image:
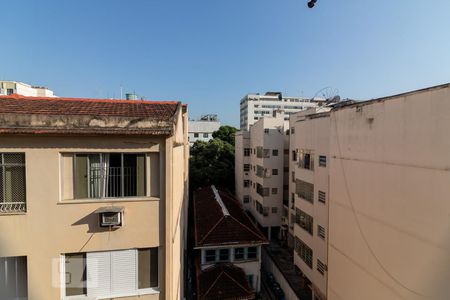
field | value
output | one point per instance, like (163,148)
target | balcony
(13,207)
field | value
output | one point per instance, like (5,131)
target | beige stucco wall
(312,134)
(275,139)
(242,141)
(54,225)
(389,204)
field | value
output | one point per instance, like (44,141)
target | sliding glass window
(109,175)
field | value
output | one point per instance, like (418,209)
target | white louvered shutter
(123,272)
(98,274)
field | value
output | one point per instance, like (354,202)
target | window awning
(112,209)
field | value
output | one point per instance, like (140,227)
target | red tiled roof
(213,227)
(223,282)
(156,110)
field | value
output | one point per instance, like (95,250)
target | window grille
(12,183)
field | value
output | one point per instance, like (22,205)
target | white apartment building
(256,106)
(308,189)
(260,165)
(202,129)
(20,88)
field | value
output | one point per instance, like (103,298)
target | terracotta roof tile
(224,282)
(156,110)
(213,228)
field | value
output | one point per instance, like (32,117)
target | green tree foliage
(225,133)
(213,162)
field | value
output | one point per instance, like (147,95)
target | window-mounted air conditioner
(111,216)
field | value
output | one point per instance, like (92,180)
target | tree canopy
(212,162)
(225,133)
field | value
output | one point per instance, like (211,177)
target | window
(224,254)
(12,183)
(13,277)
(9,91)
(292,130)
(274,191)
(274,152)
(322,161)
(210,255)
(252,253)
(109,175)
(147,268)
(274,210)
(274,171)
(262,191)
(75,274)
(196,135)
(321,232)
(304,190)
(246,199)
(266,130)
(306,159)
(110,273)
(304,220)
(205,135)
(294,155)
(239,253)
(246,183)
(246,167)
(322,197)
(303,251)
(293,176)
(250,280)
(247,151)
(321,267)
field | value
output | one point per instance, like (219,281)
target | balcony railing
(12,207)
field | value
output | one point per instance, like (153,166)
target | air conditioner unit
(111,219)
(110,216)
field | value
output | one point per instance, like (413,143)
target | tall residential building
(203,128)
(20,88)
(309,191)
(256,106)
(260,177)
(389,198)
(93,198)
(228,247)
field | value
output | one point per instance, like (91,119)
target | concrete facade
(15,87)
(57,223)
(260,177)
(255,106)
(201,130)
(308,210)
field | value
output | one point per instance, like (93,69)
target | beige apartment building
(309,190)
(93,198)
(260,179)
(389,198)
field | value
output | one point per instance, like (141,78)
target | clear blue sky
(209,53)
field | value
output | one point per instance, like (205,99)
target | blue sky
(209,53)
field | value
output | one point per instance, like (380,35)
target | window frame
(122,196)
(136,292)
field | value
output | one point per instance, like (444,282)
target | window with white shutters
(121,273)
